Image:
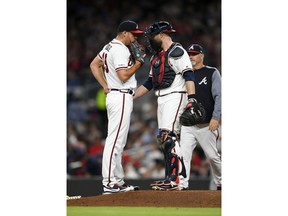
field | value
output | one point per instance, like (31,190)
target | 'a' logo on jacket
(204,80)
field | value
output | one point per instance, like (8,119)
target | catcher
(203,129)
(172,79)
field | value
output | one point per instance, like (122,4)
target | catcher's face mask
(158,27)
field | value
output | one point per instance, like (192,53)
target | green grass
(141,211)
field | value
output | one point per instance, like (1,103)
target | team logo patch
(157,63)
(204,80)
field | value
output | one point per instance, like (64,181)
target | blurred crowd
(92,24)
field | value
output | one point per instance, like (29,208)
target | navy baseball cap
(129,26)
(195,48)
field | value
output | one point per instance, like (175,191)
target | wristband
(191,96)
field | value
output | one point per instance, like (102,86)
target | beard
(156,45)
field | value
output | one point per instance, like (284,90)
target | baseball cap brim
(193,51)
(169,31)
(137,31)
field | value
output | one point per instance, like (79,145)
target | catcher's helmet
(157,27)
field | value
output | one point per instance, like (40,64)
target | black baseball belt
(127,91)
(182,92)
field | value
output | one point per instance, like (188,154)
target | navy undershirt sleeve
(148,84)
(189,75)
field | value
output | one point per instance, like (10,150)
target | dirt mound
(189,198)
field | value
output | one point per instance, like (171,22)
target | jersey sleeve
(182,64)
(216,93)
(100,55)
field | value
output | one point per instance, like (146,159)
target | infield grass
(141,211)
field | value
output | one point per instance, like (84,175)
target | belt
(127,91)
(202,125)
(182,92)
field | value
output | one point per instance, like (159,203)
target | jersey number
(105,62)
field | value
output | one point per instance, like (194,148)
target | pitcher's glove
(137,52)
(193,114)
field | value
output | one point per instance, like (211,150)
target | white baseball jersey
(115,56)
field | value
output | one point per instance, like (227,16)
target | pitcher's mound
(189,198)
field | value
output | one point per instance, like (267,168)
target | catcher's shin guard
(173,163)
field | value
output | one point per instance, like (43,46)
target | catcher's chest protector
(162,74)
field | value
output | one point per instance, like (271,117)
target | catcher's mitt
(137,51)
(193,115)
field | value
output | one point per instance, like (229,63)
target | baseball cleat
(157,188)
(115,189)
(182,188)
(157,183)
(131,187)
(167,186)
(164,188)
(135,187)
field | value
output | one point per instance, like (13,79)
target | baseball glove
(193,115)
(137,51)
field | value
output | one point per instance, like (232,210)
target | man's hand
(213,125)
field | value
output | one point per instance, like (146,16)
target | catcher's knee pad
(166,141)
